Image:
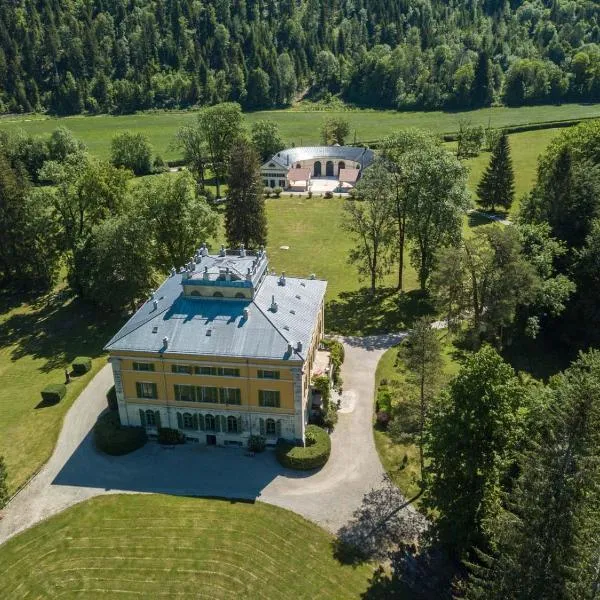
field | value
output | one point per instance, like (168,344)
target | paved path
(76,471)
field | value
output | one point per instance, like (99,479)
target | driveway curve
(77,472)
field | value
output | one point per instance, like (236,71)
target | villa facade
(221,351)
(295,169)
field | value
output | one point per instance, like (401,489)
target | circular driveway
(76,471)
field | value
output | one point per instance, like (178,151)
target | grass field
(297,127)
(37,342)
(150,546)
(401,460)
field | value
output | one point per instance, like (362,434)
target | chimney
(249,275)
(242,251)
(155,304)
(205,274)
(282,278)
(246,314)
(204,249)
(290,349)
(299,347)
(166,342)
(273,304)
(222,252)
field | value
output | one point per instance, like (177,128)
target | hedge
(115,440)
(312,456)
(169,436)
(81,365)
(111,399)
(54,393)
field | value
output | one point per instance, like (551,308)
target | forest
(120,56)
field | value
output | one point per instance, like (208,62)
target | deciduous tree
(334,131)
(266,138)
(369,220)
(221,126)
(131,151)
(471,443)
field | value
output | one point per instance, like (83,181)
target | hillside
(121,56)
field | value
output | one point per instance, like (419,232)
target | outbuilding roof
(299,174)
(287,158)
(283,312)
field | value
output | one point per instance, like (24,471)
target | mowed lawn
(297,127)
(38,340)
(153,546)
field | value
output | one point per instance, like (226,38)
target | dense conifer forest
(74,56)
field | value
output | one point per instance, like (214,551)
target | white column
(298,405)
(116,367)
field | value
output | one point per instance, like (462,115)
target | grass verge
(163,546)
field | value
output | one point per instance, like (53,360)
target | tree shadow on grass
(363,313)
(57,328)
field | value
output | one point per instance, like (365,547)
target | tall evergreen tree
(497,185)
(482,91)
(245,218)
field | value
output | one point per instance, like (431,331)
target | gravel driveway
(76,471)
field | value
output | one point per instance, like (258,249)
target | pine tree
(245,218)
(497,185)
(482,91)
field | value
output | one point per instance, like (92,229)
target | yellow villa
(222,350)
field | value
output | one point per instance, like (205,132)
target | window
(269,398)
(209,422)
(207,394)
(188,422)
(146,390)
(218,371)
(230,396)
(282,183)
(270,427)
(232,424)
(262,374)
(183,369)
(143,366)
(184,393)
(150,418)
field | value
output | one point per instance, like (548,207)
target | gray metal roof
(286,158)
(217,327)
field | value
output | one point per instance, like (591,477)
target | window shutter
(261,399)
(201,422)
(217,423)
(138,389)
(179,420)
(239,425)
(142,418)
(195,421)
(223,422)
(157,417)
(278,428)
(262,426)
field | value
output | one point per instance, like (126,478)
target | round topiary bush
(115,440)
(312,456)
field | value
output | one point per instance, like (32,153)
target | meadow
(297,127)
(153,546)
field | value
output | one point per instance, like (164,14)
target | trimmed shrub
(111,438)
(111,399)
(267,192)
(330,416)
(277,192)
(336,350)
(328,195)
(169,436)
(309,195)
(54,393)
(81,365)
(312,456)
(256,443)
